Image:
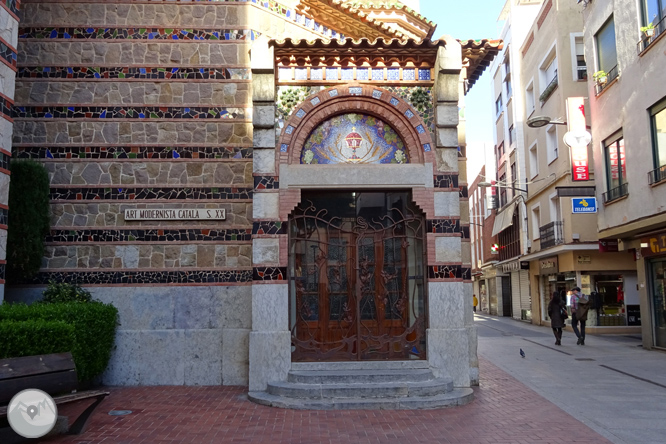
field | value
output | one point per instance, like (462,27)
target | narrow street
(611,384)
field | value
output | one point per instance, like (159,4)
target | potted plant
(601,77)
(648,30)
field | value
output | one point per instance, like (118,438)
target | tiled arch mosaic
(354,98)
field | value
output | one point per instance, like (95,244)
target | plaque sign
(176,214)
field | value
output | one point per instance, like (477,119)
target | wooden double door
(357,277)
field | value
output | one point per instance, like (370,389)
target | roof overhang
(477,55)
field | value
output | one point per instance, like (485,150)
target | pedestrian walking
(580,304)
(476,301)
(557,311)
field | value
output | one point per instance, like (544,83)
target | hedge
(94,327)
(29,221)
(35,337)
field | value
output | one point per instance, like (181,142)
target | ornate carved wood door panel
(357,277)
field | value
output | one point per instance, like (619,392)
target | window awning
(504,219)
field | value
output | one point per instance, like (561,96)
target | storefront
(654,251)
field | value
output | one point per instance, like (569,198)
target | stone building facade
(146,105)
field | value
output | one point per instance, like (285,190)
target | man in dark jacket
(580,304)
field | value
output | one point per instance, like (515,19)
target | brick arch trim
(355,98)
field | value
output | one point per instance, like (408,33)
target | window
(606,50)
(534,161)
(529,98)
(502,190)
(507,78)
(514,179)
(551,143)
(616,171)
(548,74)
(652,11)
(579,59)
(536,222)
(512,135)
(498,105)
(658,124)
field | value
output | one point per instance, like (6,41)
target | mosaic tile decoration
(420,99)
(130,152)
(147,73)
(266,183)
(4,160)
(269,228)
(347,73)
(12,5)
(149,235)
(449,272)
(4,216)
(5,107)
(353,138)
(128,112)
(133,193)
(443,226)
(408,74)
(8,54)
(362,74)
(269,273)
(446,181)
(424,74)
(90,277)
(426,147)
(316,74)
(137,33)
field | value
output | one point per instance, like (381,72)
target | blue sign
(584,205)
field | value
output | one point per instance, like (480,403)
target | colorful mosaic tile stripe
(147,73)
(90,277)
(266,183)
(149,193)
(6,107)
(129,112)
(131,152)
(443,226)
(420,99)
(4,216)
(150,235)
(8,54)
(269,273)
(4,160)
(138,34)
(449,272)
(12,5)
(269,228)
(446,181)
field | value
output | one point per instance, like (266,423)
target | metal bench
(55,374)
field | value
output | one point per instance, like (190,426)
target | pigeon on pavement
(522,353)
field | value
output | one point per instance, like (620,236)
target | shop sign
(548,265)
(176,214)
(584,205)
(654,245)
(584,259)
(578,138)
(608,246)
(514,266)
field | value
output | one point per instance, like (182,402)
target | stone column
(451,335)
(9,25)
(270,340)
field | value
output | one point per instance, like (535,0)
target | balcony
(616,193)
(657,175)
(548,91)
(551,234)
(610,76)
(646,41)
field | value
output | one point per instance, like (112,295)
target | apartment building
(624,48)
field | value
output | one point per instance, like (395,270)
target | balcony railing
(616,193)
(657,175)
(610,76)
(646,41)
(551,234)
(549,89)
(582,73)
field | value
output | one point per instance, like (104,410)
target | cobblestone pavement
(503,411)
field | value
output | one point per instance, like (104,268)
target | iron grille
(551,234)
(616,193)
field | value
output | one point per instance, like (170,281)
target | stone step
(369,390)
(456,397)
(360,365)
(359,376)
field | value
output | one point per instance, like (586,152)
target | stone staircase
(362,385)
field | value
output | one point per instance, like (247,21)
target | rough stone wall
(148,105)
(9,21)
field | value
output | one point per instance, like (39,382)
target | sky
(471,20)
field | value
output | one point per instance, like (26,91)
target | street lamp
(539,121)
(488,184)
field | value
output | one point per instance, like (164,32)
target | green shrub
(94,329)
(64,292)
(35,337)
(28,219)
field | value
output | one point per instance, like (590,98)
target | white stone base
(270,358)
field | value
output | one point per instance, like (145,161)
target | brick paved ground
(504,411)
